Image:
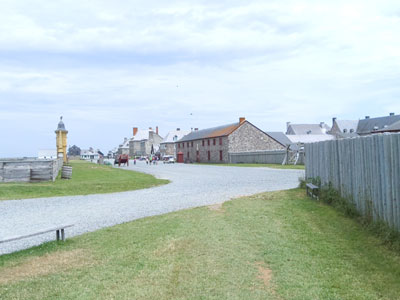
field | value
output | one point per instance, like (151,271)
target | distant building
(344,128)
(90,154)
(301,134)
(144,142)
(306,129)
(369,125)
(124,147)
(47,154)
(301,139)
(167,147)
(214,144)
(112,153)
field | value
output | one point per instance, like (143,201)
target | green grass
(87,178)
(304,249)
(274,166)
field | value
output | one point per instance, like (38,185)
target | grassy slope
(87,178)
(304,249)
(274,166)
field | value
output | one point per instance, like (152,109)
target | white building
(47,154)
(90,155)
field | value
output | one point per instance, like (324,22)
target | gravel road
(191,186)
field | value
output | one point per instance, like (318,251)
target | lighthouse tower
(61,140)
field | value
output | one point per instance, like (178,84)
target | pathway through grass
(278,245)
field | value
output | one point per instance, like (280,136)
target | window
(188,155)
(220,155)
(179,145)
(202,143)
(183,145)
(209,155)
(220,141)
(188,144)
(192,144)
(208,142)
(214,142)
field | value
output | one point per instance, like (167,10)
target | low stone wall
(29,169)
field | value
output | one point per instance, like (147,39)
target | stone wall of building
(167,149)
(134,148)
(249,138)
(143,147)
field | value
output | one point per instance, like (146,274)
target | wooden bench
(60,233)
(312,190)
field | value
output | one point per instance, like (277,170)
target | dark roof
(371,125)
(394,127)
(61,126)
(280,137)
(223,130)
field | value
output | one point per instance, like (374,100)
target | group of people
(151,160)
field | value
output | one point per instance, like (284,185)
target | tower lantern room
(61,140)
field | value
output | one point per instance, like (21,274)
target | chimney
(391,114)
(321,124)
(241,120)
(178,129)
(156,129)
(135,130)
(125,139)
(150,128)
(333,120)
(367,117)
(196,129)
(287,125)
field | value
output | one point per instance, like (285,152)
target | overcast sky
(107,66)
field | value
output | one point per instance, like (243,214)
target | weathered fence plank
(365,170)
(29,169)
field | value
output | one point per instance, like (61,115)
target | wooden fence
(29,169)
(365,170)
(261,157)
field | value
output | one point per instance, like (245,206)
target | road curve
(191,186)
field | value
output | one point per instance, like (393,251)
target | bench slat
(19,237)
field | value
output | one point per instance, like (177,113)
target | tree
(74,150)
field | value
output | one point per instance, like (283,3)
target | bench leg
(58,235)
(62,235)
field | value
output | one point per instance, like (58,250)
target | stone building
(167,147)
(144,142)
(215,144)
(124,147)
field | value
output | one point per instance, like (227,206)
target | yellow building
(61,140)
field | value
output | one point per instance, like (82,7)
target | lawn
(274,166)
(278,245)
(87,178)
